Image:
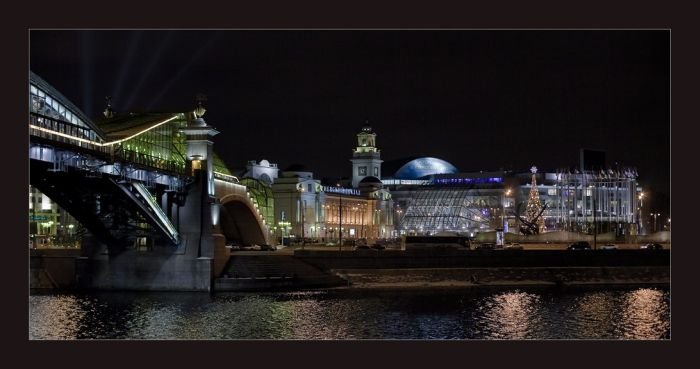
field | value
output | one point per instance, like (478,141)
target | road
(527,246)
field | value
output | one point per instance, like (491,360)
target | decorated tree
(534,209)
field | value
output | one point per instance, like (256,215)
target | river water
(631,313)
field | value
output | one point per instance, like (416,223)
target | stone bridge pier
(210,213)
(189,266)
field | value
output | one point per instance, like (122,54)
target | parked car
(581,245)
(361,242)
(361,247)
(378,246)
(609,246)
(485,246)
(652,246)
(268,248)
(513,246)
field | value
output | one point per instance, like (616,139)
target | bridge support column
(199,257)
(188,267)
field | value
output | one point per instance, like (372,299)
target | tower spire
(366,159)
(108,113)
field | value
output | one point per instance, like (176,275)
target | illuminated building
(366,159)
(306,208)
(485,201)
(49,224)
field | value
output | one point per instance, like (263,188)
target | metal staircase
(149,208)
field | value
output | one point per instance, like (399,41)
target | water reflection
(510,315)
(593,314)
(322,315)
(644,315)
(60,317)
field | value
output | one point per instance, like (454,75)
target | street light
(340,218)
(655,215)
(641,218)
(503,205)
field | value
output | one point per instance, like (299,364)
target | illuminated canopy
(421,167)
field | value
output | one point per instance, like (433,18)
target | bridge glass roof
(47,101)
(126,125)
(149,139)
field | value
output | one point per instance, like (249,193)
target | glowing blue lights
(421,167)
(461,181)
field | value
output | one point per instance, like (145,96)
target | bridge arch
(239,220)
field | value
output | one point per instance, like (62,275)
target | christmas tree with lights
(534,206)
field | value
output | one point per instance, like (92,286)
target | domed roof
(370,179)
(421,167)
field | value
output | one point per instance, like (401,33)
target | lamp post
(503,205)
(363,209)
(655,215)
(595,226)
(641,218)
(340,218)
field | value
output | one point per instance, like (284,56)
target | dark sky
(482,100)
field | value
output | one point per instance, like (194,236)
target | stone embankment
(359,269)
(494,277)
(372,269)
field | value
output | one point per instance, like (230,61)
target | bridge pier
(191,266)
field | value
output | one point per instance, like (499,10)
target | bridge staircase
(149,208)
(264,272)
(114,212)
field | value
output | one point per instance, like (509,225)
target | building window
(309,187)
(142,244)
(362,171)
(376,171)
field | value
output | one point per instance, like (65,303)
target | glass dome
(421,167)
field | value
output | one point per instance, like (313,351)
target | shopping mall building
(431,196)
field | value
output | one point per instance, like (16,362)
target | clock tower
(366,157)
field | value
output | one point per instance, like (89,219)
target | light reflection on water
(642,313)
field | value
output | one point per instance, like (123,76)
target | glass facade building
(478,202)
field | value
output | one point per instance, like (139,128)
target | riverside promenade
(371,269)
(327,267)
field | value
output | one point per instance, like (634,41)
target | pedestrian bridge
(128,177)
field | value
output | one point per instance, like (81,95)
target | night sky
(482,100)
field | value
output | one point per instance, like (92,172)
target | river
(347,314)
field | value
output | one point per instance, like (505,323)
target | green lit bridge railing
(153,206)
(84,140)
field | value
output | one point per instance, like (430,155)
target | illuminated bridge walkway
(140,181)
